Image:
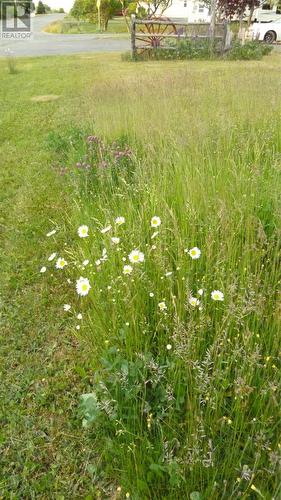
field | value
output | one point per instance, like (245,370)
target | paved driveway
(46,44)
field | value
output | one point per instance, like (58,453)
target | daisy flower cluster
(132,261)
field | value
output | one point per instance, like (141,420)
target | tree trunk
(105,25)
(251,15)
(212,23)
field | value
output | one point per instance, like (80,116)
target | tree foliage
(47,8)
(233,8)
(88,10)
(40,8)
(157,7)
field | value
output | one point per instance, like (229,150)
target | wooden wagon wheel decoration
(152,35)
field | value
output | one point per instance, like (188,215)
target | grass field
(200,420)
(71,26)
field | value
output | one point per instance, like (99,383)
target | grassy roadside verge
(44,452)
(71,26)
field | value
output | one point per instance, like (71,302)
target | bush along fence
(148,35)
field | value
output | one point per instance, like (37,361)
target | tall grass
(201,418)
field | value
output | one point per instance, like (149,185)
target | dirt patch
(45,98)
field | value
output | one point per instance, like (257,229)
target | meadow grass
(202,416)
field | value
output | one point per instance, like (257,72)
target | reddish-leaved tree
(237,8)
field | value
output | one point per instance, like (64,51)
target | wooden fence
(156,33)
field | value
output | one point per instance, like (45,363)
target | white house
(195,11)
(192,11)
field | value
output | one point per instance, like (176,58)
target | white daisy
(127,269)
(217,295)
(66,307)
(155,221)
(194,253)
(78,327)
(162,306)
(61,263)
(193,301)
(79,316)
(201,291)
(119,221)
(51,233)
(83,286)
(43,269)
(136,256)
(105,229)
(104,255)
(52,256)
(168,347)
(115,240)
(85,262)
(151,294)
(83,231)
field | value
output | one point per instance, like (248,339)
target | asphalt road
(46,44)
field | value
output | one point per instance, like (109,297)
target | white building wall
(192,11)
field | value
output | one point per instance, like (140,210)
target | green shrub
(204,50)
(251,50)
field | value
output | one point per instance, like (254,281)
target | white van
(266,13)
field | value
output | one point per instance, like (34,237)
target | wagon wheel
(151,34)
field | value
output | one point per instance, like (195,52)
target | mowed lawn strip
(44,451)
